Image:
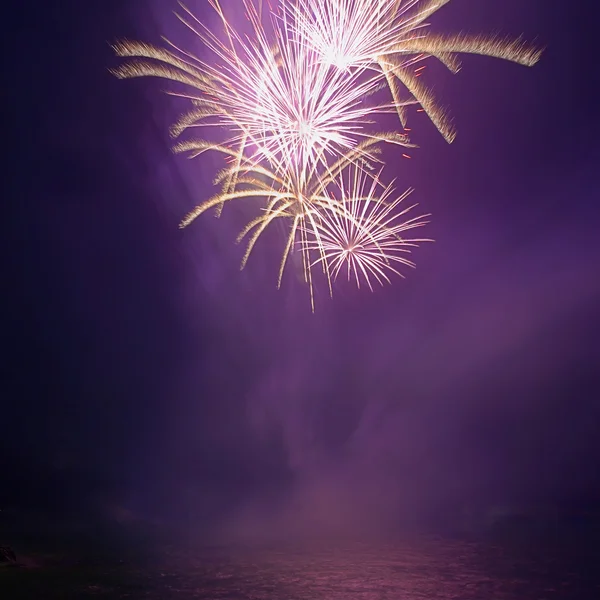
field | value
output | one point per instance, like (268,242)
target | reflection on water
(430,569)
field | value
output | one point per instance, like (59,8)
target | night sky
(143,369)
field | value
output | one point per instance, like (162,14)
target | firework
(293,122)
(361,231)
(392,37)
(304,210)
(277,101)
(294,98)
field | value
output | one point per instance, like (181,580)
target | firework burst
(291,96)
(393,37)
(362,231)
(303,210)
(278,102)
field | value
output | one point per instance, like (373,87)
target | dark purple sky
(141,356)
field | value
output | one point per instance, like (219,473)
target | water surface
(416,569)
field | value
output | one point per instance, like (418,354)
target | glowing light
(296,96)
(391,36)
(362,232)
(280,103)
